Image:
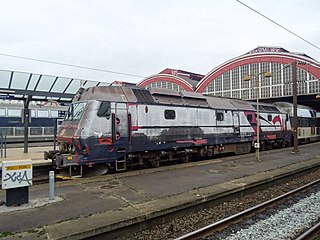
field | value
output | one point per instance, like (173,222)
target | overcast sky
(142,37)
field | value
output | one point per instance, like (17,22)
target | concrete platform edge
(116,219)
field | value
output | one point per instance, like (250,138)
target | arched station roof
(181,79)
(258,55)
(166,78)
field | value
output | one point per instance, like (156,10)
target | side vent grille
(143,96)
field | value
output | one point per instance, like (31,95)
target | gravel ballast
(285,224)
(188,223)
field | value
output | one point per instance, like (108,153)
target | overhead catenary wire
(72,65)
(278,24)
(139,76)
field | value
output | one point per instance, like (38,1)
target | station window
(169,114)
(219,116)
(14,113)
(19,131)
(104,110)
(35,131)
(33,113)
(2,112)
(48,130)
(54,113)
(8,131)
(43,113)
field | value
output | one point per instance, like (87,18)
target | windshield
(75,111)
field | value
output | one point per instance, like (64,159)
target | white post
(51,185)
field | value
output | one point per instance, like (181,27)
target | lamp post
(295,108)
(247,78)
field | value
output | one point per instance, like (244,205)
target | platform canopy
(18,85)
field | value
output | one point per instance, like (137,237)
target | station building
(173,79)
(228,79)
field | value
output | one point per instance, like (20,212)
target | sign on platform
(16,174)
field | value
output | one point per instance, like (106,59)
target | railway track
(312,233)
(175,224)
(184,213)
(225,228)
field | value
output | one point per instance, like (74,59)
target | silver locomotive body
(118,126)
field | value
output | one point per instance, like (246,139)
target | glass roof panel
(38,97)
(60,84)
(90,84)
(53,98)
(17,96)
(45,83)
(4,78)
(65,99)
(20,80)
(74,86)
(104,84)
(33,81)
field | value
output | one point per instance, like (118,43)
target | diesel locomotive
(119,127)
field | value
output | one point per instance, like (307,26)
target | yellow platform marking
(18,167)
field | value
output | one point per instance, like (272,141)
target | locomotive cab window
(269,117)
(75,111)
(169,114)
(104,110)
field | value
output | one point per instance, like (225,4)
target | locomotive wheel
(54,162)
(202,152)
(209,153)
(155,162)
(184,159)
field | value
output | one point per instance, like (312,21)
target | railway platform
(34,153)
(85,207)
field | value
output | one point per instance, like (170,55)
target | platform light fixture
(257,78)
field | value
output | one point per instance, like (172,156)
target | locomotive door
(236,122)
(121,122)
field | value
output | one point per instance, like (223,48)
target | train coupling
(63,160)
(50,154)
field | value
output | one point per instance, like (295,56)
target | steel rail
(236,217)
(310,233)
